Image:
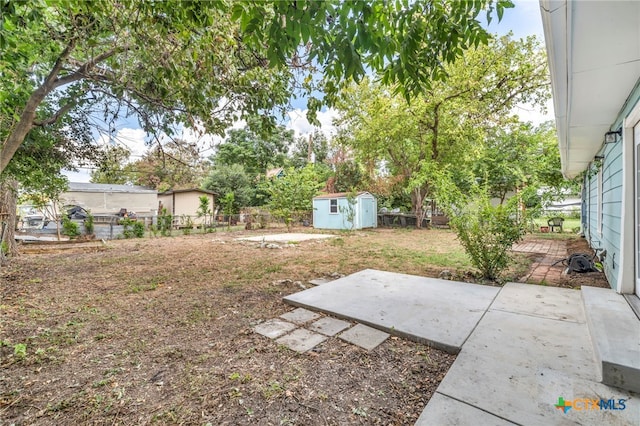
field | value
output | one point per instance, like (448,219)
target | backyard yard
(159,330)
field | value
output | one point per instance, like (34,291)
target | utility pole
(310,149)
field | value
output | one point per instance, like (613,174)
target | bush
(165,222)
(70,228)
(88,224)
(132,228)
(487,233)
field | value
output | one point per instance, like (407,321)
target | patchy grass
(164,334)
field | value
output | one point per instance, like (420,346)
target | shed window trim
(333,206)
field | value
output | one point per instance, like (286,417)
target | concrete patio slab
(444,411)
(301,340)
(365,337)
(550,302)
(426,310)
(285,238)
(516,365)
(274,328)
(300,316)
(329,326)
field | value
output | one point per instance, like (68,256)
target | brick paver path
(542,270)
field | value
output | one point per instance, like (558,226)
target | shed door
(636,142)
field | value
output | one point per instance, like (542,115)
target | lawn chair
(555,223)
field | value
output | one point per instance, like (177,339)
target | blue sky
(523,20)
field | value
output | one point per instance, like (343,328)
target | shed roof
(107,187)
(342,195)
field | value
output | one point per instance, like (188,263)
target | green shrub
(187,224)
(132,228)
(70,228)
(88,224)
(165,222)
(487,233)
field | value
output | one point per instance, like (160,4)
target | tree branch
(83,70)
(26,121)
(55,117)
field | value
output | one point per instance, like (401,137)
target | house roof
(274,172)
(177,191)
(594,58)
(107,187)
(341,195)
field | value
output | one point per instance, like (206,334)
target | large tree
(436,137)
(522,157)
(186,61)
(255,147)
(173,165)
(206,63)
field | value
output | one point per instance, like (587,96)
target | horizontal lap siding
(609,239)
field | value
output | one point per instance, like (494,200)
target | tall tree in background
(523,158)
(436,138)
(256,147)
(234,180)
(112,165)
(174,165)
(313,147)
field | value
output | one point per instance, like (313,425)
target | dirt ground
(159,331)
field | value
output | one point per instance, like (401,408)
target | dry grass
(159,331)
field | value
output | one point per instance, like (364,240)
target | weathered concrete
(301,340)
(274,328)
(329,326)
(444,411)
(427,310)
(365,337)
(517,364)
(540,301)
(526,348)
(615,331)
(300,316)
(286,238)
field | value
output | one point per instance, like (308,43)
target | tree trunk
(417,200)
(8,204)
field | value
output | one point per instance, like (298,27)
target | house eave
(592,73)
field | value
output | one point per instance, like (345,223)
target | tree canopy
(204,63)
(255,147)
(438,136)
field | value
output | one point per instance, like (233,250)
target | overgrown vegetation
(70,228)
(487,232)
(88,224)
(132,228)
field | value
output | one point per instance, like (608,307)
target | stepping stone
(364,336)
(274,328)
(320,281)
(301,340)
(329,326)
(300,316)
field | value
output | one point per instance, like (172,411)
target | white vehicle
(30,217)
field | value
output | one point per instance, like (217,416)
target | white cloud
(300,125)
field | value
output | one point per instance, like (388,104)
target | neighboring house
(594,60)
(275,173)
(105,199)
(186,202)
(334,211)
